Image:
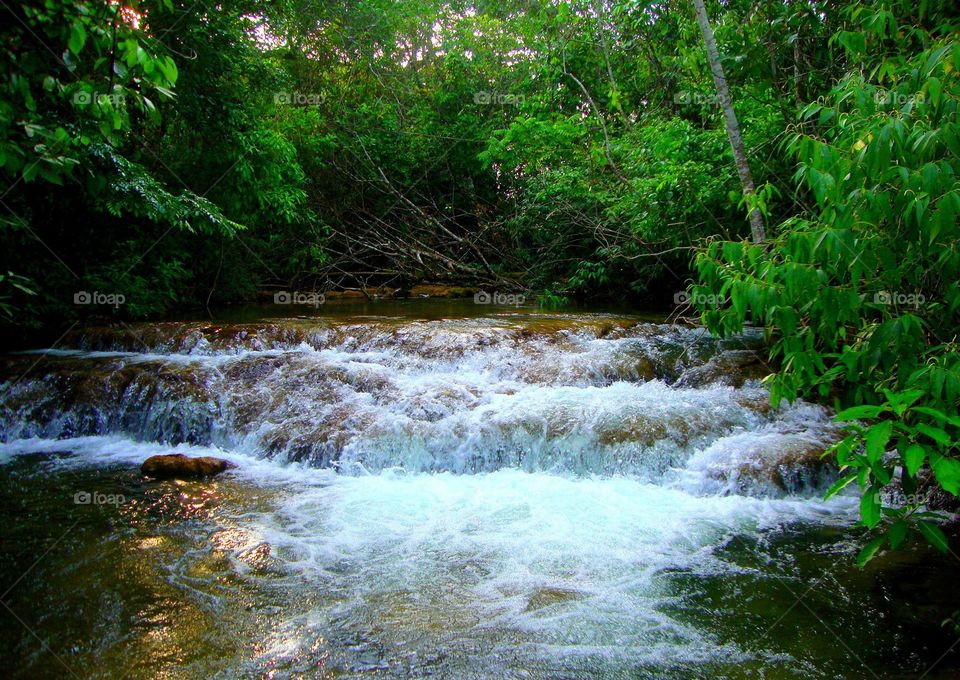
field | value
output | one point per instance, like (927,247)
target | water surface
(437,489)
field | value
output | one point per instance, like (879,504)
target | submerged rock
(792,464)
(177,465)
(545,597)
(732,367)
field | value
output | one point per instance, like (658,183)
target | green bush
(859,298)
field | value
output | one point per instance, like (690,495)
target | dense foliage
(222,149)
(860,294)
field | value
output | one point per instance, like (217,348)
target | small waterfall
(567,394)
(519,495)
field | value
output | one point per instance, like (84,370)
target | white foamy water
(503,569)
(512,496)
(581,395)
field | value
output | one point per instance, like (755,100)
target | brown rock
(796,463)
(732,367)
(179,466)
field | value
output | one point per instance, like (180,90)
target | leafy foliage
(859,296)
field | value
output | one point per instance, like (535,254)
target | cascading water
(514,495)
(463,396)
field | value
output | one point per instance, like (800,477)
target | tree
(730,120)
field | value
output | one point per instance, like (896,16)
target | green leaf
(168,68)
(870,550)
(935,433)
(934,536)
(78,36)
(900,401)
(870,508)
(855,43)
(876,440)
(913,458)
(936,414)
(839,485)
(859,412)
(898,532)
(947,472)
(933,89)
(882,474)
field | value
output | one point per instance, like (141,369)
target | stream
(438,489)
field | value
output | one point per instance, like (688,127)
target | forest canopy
(226,148)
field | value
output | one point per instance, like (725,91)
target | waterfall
(572,395)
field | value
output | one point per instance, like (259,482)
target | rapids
(567,395)
(516,494)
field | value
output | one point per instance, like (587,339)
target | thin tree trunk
(730,118)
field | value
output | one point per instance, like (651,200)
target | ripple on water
(515,496)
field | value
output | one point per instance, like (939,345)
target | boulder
(545,597)
(789,464)
(179,466)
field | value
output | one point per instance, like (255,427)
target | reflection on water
(498,575)
(519,495)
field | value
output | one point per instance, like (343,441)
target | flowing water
(435,489)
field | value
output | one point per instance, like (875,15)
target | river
(437,489)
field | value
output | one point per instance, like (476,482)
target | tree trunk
(730,118)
